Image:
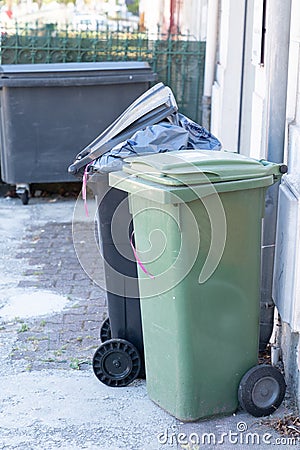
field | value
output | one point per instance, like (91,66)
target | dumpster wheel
(23,192)
(24,198)
(261,390)
(105,330)
(116,363)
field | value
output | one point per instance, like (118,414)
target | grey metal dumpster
(48,111)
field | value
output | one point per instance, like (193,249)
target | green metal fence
(178,60)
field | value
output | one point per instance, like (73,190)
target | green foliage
(133,6)
(76,363)
(66,1)
(24,327)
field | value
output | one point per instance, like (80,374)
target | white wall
(286,290)
(192,19)
(258,120)
(241,97)
(226,93)
(293,97)
(256,134)
(153,14)
(190,16)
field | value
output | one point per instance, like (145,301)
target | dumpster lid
(67,69)
(198,167)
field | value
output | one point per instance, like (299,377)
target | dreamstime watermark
(169,234)
(241,436)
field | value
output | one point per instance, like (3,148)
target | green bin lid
(198,167)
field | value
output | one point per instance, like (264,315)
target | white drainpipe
(210,59)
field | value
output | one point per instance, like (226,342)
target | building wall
(187,16)
(287,292)
(192,18)
(241,97)
(248,115)
(293,96)
(248,86)
(226,92)
(154,14)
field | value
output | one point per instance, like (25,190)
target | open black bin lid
(156,104)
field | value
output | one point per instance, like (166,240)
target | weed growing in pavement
(76,363)
(24,327)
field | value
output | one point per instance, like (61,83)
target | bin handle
(138,260)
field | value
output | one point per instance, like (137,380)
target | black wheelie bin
(120,358)
(150,124)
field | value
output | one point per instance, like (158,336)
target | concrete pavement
(50,313)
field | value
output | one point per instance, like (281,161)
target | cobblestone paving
(67,339)
(50,397)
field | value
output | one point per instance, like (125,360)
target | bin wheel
(116,363)
(261,390)
(105,330)
(24,196)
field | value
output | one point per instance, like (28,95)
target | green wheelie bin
(197,219)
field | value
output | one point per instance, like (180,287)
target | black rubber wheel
(261,390)
(105,330)
(24,197)
(116,363)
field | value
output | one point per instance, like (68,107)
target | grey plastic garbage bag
(162,137)
(199,137)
